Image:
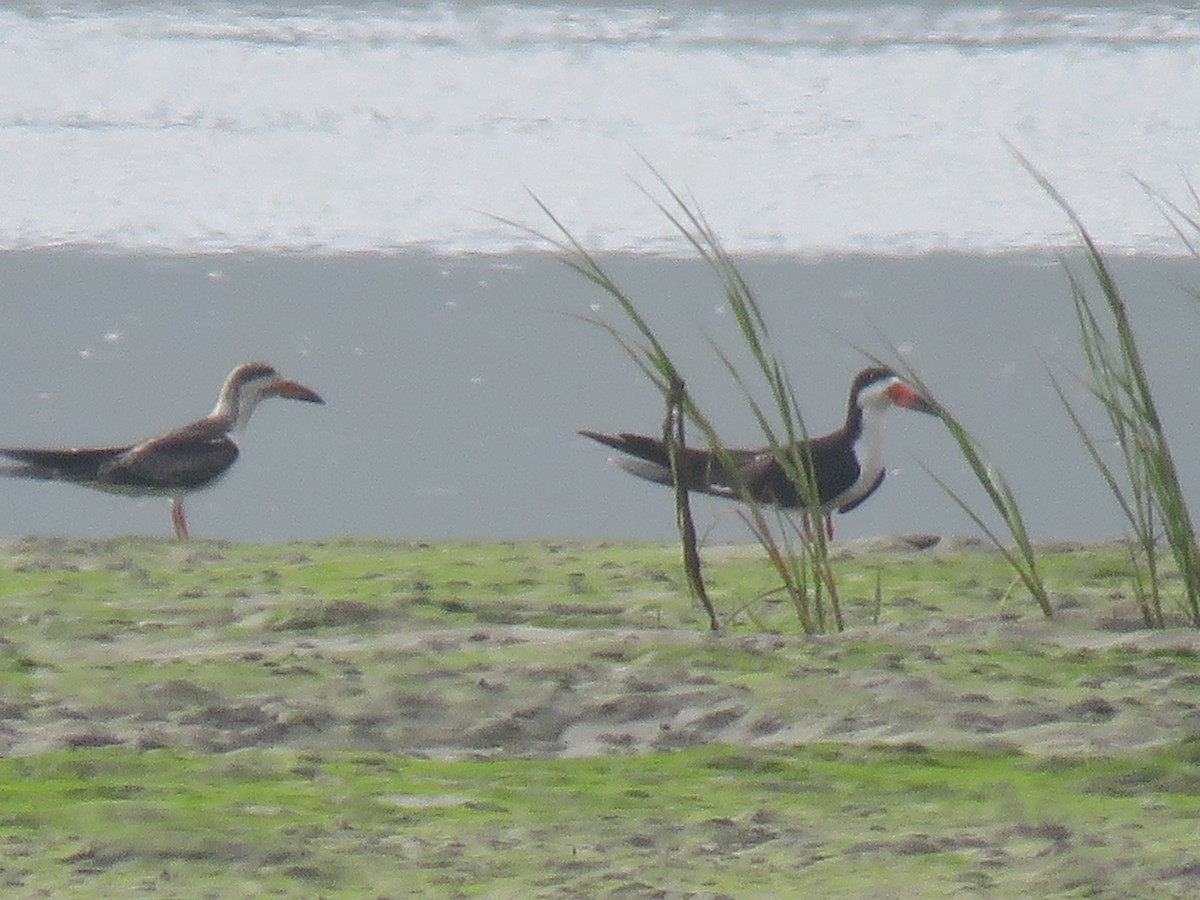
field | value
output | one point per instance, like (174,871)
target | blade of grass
(652,358)
(1023,559)
(1120,382)
(674,440)
(792,450)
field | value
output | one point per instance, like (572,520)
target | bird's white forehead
(878,389)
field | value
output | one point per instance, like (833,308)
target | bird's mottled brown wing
(185,459)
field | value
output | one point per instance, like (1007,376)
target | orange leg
(177,518)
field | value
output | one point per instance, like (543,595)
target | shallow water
(455,385)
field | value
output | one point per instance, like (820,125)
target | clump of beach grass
(799,554)
(1148,491)
(1146,482)
(1019,550)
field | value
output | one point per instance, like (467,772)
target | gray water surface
(455,385)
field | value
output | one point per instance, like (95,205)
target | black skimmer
(172,464)
(848,462)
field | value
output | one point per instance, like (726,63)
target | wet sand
(455,385)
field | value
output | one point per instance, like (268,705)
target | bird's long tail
(54,465)
(647,458)
(27,471)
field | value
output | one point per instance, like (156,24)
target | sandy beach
(564,650)
(362,716)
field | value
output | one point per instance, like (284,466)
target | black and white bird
(173,464)
(847,463)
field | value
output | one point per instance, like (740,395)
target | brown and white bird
(172,464)
(847,463)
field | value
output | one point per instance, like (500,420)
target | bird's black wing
(704,470)
(768,481)
(763,478)
(837,466)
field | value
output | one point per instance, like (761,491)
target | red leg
(828,526)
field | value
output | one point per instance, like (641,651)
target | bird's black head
(880,387)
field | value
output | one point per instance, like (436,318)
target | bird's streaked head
(250,383)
